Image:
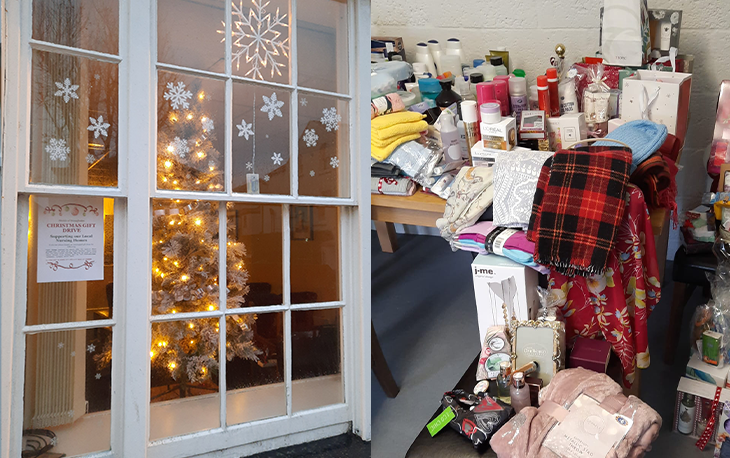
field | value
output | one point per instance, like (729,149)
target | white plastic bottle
(423,55)
(518,96)
(453,47)
(488,71)
(450,139)
(435,47)
(499,68)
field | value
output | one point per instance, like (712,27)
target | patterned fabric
(580,209)
(515,179)
(402,186)
(469,196)
(617,304)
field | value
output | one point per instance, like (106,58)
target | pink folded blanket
(523,435)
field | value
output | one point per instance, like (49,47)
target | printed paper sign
(70,238)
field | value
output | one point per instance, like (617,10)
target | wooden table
(420,209)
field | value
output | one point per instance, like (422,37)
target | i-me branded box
(499,280)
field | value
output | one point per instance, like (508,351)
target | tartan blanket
(578,207)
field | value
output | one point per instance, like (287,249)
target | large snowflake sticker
(177,95)
(277,159)
(91,348)
(180,147)
(249,166)
(90,158)
(245,129)
(310,138)
(57,149)
(267,178)
(272,106)
(334,162)
(98,126)
(257,39)
(207,124)
(330,119)
(66,90)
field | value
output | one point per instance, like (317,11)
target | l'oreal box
(488,156)
(501,135)
(532,125)
(499,280)
(699,370)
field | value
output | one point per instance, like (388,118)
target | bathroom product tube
(543,96)
(501,91)
(552,79)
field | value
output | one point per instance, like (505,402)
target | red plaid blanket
(578,206)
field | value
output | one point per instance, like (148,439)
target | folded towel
(382,153)
(469,196)
(643,137)
(392,186)
(380,169)
(515,181)
(382,137)
(578,209)
(385,121)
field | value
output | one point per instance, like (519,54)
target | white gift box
(625,32)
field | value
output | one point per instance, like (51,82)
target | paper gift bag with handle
(625,35)
(661,97)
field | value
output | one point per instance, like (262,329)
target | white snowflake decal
(277,159)
(97,376)
(330,119)
(257,38)
(267,178)
(60,345)
(91,348)
(303,102)
(66,90)
(180,147)
(211,165)
(334,162)
(97,76)
(272,106)
(90,158)
(73,353)
(311,173)
(310,137)
(245,129)
(57,149)
(177,95)
(98,126)
(249,166)
(207,124)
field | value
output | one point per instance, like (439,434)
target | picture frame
(542,341)
(300,223)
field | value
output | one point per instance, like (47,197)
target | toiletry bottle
(451,63)
(435,48)
(430,88)
(453,48)
(447,97)
(490,113)
(499,67)
(534,104)
(423,55)
(568,97)
(450,139)
(686,415)
(519,72)
(474,79)
(501,91)
(478,62)
(552,80)
(518,96)
(503,384)
(519,393)
(488,71)
(543,96)
(413,89)
(485,93)
(502,52)
(463,88)
(471,125)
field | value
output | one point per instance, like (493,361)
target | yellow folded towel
(382,122)
(382,153)
(388,134)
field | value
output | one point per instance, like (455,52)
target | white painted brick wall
(531,29)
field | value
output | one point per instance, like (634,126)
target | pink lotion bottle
(501,91)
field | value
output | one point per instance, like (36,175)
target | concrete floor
(424,312)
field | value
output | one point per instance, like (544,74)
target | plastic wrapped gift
(542,341)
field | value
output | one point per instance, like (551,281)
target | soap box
(590,354)
(699,370)
(498,280)
(501,135)
(711,344)
(566,130)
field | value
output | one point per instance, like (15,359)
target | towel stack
(389,131)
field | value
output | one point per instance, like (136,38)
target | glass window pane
(184,390)
(322,45)
(260,40)
(316,357)
(74,121)
(255,367)
(315,258)
(190,34)
(87,24)
(190,126)
(324,165)
(68,391)
(260,139)
(185,257)
(254,255)
(60,287)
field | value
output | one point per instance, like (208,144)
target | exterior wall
(531,29)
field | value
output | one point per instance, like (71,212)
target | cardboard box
(499,280)
(711,348)
(590,354)
(566,130)
(704,394)
(664,27)
(378,45)
(488,156)
(501,135)
(533,125)
(698,370)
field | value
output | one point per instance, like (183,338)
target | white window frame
(131,367)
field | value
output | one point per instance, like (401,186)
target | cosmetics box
(590,354)
(501,135)
(698,370)
(566,130)
(488,156)
(711,348)
(664,27)
(535,384)
(722,438)
(532,125)
(497,281)
(704,393)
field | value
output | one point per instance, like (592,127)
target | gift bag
(626,37)
(662,97)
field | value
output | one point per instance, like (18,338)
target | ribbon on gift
(646,100)
(671,58)
(710,428)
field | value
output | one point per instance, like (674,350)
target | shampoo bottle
(518,96)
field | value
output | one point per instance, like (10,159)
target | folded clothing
(392,119)
(579,203)
(381,169)
(656,179)
(392,130)
(524,434)
(515,180)
(403,186)
(512,244)
(386,136)
(644,137)
(469,196)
